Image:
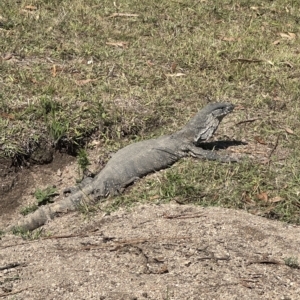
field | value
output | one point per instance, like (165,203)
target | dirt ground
(165,251)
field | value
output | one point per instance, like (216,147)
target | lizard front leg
(209,154)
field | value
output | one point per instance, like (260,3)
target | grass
(26,234)
(43,197)
(73,70)
(292,262)
(83,162)
(28,209)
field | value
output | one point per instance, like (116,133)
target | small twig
(132,242)
(247,283)
(21,244)
(213,257)
(64,236)
(187,216)
(247,121)
(70,235)
(10,266)
(114,15)
(49,238)
(111,71)
(265,261)
(247,60)
(249,280)
(274,147)
(13,293)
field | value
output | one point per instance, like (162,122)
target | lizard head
(206,122)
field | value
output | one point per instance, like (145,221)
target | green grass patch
(43,197)
(28,209)
(292,262)
(26,234)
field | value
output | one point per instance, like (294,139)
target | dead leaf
(30,7)
(269,62)
(228,39)
(95,143)
(254,7)
(263,196)
(53,71)
(118,44)
(289,130)
(246,198)
(259,140)
(292,35)
(84,81)
(8,56)
(150,63)
(276,199)
(7,116)
(24,11)
(277,42)
(154,197)
(173,67)
(288,64)
(284,35)
(114,15)
(289,35)
(175,75)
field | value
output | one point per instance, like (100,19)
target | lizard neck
(185,135)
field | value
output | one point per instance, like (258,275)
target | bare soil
(18,183)
(165,251)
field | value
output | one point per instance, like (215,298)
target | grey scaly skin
(139,159)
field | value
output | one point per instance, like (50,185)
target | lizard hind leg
(127,183)
(109,189)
